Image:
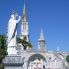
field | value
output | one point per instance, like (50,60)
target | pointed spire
(41,35)
(24,10)
(41,42)
(24,13)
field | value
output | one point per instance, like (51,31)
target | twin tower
(25,34)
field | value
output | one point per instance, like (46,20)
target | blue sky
(50,15)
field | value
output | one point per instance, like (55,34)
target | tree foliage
(3,49)
(24,43)
(67,58)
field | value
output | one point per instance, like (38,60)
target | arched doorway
(36,61)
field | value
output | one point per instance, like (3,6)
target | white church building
(33,59)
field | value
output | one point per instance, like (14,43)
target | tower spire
(24,13)
(24,26)
(41,42)
(41,35)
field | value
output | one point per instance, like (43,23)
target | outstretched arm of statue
(19,19)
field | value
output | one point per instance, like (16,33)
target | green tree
(24,43)
(67,58)
(3,49)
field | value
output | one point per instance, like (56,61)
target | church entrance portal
(36,61)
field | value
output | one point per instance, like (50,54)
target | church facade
(32,59)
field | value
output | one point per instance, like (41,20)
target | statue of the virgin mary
(12,32)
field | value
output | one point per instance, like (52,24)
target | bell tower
(41,42)
(24,26)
